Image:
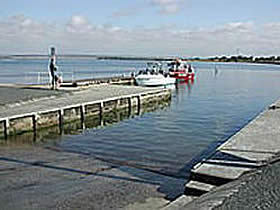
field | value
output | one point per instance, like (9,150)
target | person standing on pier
(53,69)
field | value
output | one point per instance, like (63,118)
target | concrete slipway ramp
(248,152)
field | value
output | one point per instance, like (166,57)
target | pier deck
(56,109)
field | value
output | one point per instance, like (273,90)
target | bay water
(201,115)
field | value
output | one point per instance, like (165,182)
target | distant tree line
(134,58)
(241,58)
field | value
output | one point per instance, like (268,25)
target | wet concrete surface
(69,98)
(11,95)
(250,162)
(41,176)
(258,189)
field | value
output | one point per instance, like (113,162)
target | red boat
(181,70)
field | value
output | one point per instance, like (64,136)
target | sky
(141,27)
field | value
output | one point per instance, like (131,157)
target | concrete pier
(246,151)
(61,109)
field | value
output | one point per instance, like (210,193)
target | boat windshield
(177,65)
(153,68)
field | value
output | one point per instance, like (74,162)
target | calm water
(36,71)
(201,115)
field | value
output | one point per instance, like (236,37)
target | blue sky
(141,27)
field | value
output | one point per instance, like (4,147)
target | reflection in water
(183,85)
(78,126)
(215,70)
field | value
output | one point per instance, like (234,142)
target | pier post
(61,114)
(34,123)
(130,105)
(6,128)
(83,112)
(138,103)
(101,107)
(101,113)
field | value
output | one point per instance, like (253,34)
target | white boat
(154,80)
(153,75)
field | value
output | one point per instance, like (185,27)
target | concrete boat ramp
(42,175)
(248,150)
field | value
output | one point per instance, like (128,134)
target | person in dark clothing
(190,70)
(52,69)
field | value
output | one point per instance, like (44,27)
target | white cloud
(20,34)
(79,24)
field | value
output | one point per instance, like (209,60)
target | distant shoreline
(97,57)
(232,59)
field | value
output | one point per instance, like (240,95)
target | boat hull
(154,80)
(183,76)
